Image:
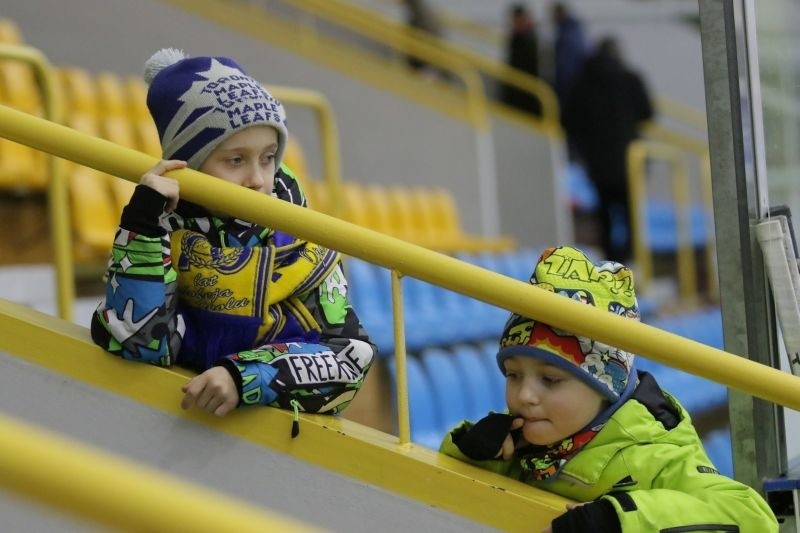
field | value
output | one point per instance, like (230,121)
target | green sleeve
(685,494)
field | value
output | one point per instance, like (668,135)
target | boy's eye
(268,158)
(552,380)
(512,375)
(236,160)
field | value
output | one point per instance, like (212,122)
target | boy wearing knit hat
(262,316)
(582,423)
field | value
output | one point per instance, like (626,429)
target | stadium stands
(451,371)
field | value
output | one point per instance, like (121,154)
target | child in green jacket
(582,423)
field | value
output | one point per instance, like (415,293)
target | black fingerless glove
(598,516)
(484,439)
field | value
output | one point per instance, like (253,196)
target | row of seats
(113,107)
(433,316)
(427,216)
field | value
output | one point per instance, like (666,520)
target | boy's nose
(529,393)
(255,179)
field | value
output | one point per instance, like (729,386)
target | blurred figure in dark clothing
(569,48)
(522,53)
(420,16)
(603,113)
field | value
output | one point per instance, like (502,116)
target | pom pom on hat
(198,102)
(159,61)
(608,286)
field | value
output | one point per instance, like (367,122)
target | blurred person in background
(522,53)
(420,16)
(603,113)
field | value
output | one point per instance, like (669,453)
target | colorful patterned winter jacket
(200,291)
(649,463)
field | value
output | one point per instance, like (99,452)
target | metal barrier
(639,153)
(699,149)
(116,492)
(57,201)
(522,298)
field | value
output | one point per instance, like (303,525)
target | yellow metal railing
(404,258)
(639,153)
(92,484)
(412,260)
(57,200)
(699,150)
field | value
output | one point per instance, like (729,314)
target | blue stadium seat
(488,320)
(488,350)
(426,322)
(450,391)
(426,426)
(482,393)
(581,191)
(370,295)
(662,228)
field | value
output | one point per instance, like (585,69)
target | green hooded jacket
(649,462)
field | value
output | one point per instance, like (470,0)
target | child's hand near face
(168,187)
(490,437)
(511,444)
(213,391)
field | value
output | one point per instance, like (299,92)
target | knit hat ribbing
(198,102)
(568,272)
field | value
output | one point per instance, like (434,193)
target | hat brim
(558,362)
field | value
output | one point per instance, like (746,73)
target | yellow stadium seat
(22,169)
(78,88)
(94,219)
(136,96)
(354,208)
(111,95)
(295,159)
(402,215)
(9,32)
(380,216)
(94,210)
(144,130)
(317,195)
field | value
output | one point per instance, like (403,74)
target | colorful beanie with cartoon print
(568,272)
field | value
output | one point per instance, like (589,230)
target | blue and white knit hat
(198,102)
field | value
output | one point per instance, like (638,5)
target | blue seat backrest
(482,393)
(423,411)
(449,389)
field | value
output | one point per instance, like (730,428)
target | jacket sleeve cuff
(599,516)
(230,366)
(143,211)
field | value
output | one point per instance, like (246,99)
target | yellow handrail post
(637,185)
(329,137)
(687,270)
(57,198)
(638,153)
(401,374)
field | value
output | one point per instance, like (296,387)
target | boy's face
(246,158)
(554,403)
